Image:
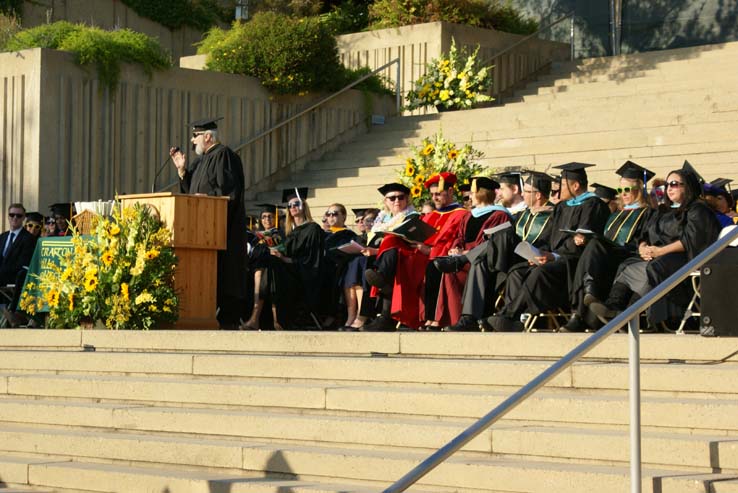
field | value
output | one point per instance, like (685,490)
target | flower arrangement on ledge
(122,276)
(451,82)
(436,154)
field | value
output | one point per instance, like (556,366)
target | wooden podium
(198,225)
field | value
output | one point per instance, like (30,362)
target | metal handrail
(328,98)
(489,61)
(629,316)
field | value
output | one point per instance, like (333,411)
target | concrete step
(654,347)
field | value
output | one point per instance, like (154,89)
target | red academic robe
(448,307)
(408,290)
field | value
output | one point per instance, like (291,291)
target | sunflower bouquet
(122,276)
(433,155)
(451,82)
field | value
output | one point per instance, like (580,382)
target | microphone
(161,168)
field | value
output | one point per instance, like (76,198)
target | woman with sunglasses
(681,230)
(335,267)
(602,256)
(297,274)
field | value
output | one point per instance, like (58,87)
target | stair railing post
(634,368)
(571,38)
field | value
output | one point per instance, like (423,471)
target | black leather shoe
(602,311)
(375,279)
(380,324)
(575,324)
(453,263)
(504,324)
(466,323)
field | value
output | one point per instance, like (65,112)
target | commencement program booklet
(351,248)
(413,229)
(528,252)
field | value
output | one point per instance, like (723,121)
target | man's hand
(544,258)
(423,248)
(179,160)
(369,252)
(579,239)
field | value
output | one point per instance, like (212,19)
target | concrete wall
(109,14)
(66,138)
(418,44)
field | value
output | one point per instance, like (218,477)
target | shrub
(200,14)
(480,13)
(287,55)
(9,27)
(13,8)
(350,16)
(105,50)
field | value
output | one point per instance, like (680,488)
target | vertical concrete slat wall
(64,137)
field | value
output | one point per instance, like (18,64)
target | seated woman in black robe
(297,274)
(683,228)
(268,236)
(353,277)
(598,265)
(334,267)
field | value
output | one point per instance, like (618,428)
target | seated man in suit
(17,245)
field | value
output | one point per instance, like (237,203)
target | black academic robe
(18,255)
(603,255)
(540,288)
(219,172)
(696,227)
(491,262)
(334,269)
(298,283)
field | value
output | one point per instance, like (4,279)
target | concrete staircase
(196,411)
(655,108)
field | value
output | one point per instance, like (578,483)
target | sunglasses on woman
(296,203)
(331,214)
(674,184)
(392,198)
(626,189)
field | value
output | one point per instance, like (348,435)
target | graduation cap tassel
(474,186)
(441,182)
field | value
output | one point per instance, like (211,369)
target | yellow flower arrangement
(95,282)
(409,170)
(436,154)
(457,80)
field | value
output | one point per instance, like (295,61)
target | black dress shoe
(380,324)
(466,323)
(453,263)
(375,279)
(602,311)
(500,323)
(575,324)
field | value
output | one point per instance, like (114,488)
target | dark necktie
(11,237)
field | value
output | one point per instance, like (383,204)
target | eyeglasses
(295,204)
(392,198)
(332,213)
(267,217)
(369,220)
(626,189)
(15,215)
(196,134)
(674,184)
(51,220)
(33,226)
(465,198)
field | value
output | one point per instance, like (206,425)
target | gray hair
(213,134)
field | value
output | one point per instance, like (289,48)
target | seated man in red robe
(398,274)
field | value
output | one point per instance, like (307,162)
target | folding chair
(6,296)
(693,308)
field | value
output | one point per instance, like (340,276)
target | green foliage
(105,50)
(200,14)
(287,55)
(350,16)
(9,27)
(480,13)
(296,8)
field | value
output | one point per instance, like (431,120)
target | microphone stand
(158,172)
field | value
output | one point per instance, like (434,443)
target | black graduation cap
(35,217)
(65,209)
(483,182)
(464,187)
(634,171)
(721,183)
(393,187)
(540,181)
(511,178)
(295,192)
(574,171)
(205,124)
(604,192)
(359,212)
(688,168)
